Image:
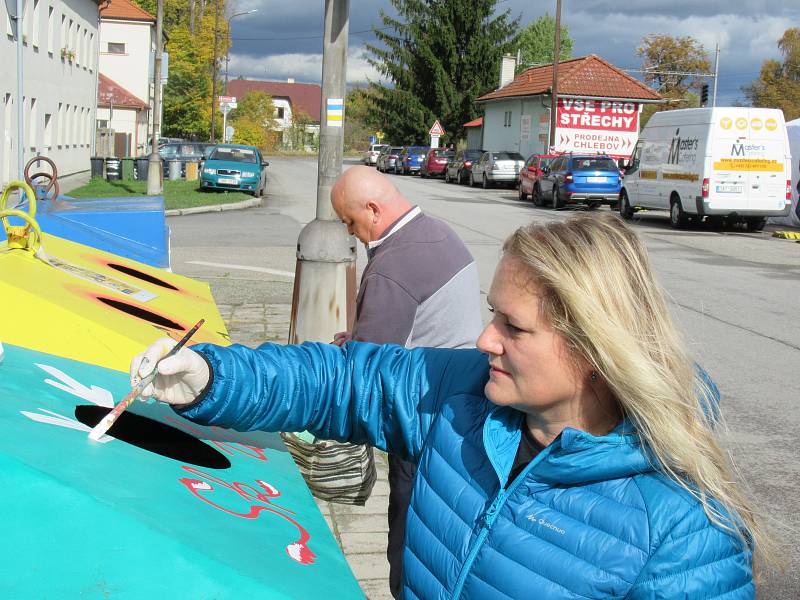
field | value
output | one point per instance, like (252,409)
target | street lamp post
(228,48)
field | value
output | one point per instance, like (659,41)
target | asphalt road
(736,295)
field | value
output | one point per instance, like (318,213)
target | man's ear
(376,210)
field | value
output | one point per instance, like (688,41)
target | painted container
(159,508)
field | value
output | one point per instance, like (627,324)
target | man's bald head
(367,202)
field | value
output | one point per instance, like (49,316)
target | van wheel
(625,210)
(755,223)
(520,194)
(557,202)
(677,218)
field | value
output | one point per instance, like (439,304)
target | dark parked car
(184,152)
(591,179)
(435,162)
(387,158)
(459,166)
(410,159)
(496,167)
(530,174)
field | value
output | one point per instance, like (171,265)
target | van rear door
(748,172)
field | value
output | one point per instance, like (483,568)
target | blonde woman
(567,457)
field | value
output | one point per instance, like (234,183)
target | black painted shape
(141,313)
(143,276)
(156,437)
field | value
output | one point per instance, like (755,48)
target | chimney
(507,67)
(290,80)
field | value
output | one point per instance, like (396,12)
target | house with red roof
(291,100)
(125,87)
(597,109)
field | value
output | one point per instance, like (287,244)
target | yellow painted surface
(80,310)
(748,164)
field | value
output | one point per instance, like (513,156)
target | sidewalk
(360,531)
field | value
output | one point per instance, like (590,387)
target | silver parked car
(388,158)
(497,167)
(371,155)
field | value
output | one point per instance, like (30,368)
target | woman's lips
(496,371)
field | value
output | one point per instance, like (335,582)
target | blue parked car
(411,159)
(234,167)
(591,179)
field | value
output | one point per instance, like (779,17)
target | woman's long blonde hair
(598,291)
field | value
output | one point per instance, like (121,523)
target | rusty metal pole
(323,301)
(554,89)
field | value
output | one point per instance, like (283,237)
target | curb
(195,210)
(787,235)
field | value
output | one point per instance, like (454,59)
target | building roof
(474,123)
(304,97)
(585,76)
(110,93)
(124,10)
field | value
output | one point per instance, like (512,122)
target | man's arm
(386,314)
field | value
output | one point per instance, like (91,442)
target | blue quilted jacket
(587,518)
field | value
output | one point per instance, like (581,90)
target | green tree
(535,42)
(670,64)
(361,118)
(187,95)
(253,121)
(439,57)
(778,84)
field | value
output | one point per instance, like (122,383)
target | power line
(304,37)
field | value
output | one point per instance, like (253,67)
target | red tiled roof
(585,76)
(474,123)
(125,10)
(109,93)
(303,97)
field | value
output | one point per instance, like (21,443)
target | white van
(731,163)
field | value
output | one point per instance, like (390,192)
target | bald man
(419,288)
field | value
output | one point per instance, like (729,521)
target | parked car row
(548,179)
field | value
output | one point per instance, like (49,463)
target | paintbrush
(106,422)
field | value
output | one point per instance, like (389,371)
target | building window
(60,125)
(75,127)
(91,51)
(279,112)
(102,123)
(48,131)
(507,119)
(35,24)
(50,19)
(32,122)
(26,23)
(116,48)
(63,38)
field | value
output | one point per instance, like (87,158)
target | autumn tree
(672,66)
(778,84)
(253,121)
(438,57)
(362,119)
(535,43)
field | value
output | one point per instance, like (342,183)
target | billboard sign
(597,126)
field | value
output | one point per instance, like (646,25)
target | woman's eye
(512,329)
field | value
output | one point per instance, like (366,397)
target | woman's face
(530,366)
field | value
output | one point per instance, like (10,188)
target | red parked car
(530,174)
(435,162)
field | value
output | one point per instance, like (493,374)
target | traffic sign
(229,131)
(436,129)
(228,99)
(379,135)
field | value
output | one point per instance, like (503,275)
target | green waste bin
(127,168)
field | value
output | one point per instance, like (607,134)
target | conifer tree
(440,56)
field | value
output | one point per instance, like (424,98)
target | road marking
(242,268)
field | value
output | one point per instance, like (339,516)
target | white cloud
(300,66)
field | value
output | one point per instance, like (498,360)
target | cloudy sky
(284,39)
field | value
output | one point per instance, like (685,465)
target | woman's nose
(489,340)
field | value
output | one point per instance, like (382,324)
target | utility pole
(323,301)
(154,170)
(214,74)
(20,97)
(228,51)
(554,89)
(716,77)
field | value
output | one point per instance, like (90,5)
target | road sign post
(226,105)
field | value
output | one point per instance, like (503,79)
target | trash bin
(97,166)
(127,169)
(192,170)
(113,168)
(174,169)
(142,166)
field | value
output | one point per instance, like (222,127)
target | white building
(598,109)
(59,84)
(127,44)
(290,100)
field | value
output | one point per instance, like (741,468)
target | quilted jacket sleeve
(696,560)
(384,395)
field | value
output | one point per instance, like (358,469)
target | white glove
(180,378)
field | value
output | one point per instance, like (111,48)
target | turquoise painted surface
(115,520)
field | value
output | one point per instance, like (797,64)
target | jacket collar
(395,227)
(574,457)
